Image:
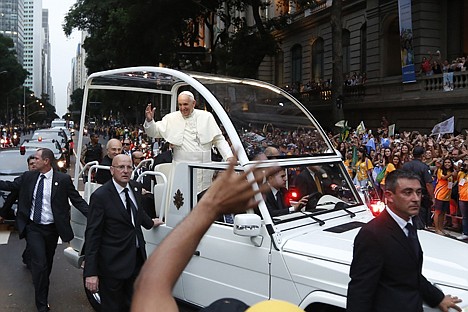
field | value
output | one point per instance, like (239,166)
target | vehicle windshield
(13,163)
(261,114)
(265,116)
(48,135)
(50,145)
(326,185)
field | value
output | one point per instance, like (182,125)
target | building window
(317,60)
(363,48)
(392,56)
(296,62)
(346,53)
(279,68)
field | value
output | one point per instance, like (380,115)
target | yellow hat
(274,306)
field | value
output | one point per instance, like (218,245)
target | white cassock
(192,138)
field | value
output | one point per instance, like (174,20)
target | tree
(12,76)
(337,56)
(125,33)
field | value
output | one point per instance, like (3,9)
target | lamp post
(26,110)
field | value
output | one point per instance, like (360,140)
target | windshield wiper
(320,222)
(344,206)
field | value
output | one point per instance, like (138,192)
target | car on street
(54,146)
(13,162)
(56,134)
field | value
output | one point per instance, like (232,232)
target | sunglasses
(141,158)
(126,144)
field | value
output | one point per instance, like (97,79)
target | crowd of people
(369,158)
(351,80)
(434,66)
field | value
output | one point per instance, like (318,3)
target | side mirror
(247,225)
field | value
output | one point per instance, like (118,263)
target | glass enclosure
(261,114)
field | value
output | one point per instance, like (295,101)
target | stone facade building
(371,48)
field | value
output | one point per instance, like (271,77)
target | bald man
(113,148)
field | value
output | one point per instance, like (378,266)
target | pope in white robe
(192,133)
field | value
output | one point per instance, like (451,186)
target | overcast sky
(63,49)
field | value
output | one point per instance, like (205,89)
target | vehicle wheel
(93,298)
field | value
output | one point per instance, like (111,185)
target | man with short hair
(115,247)
(387,257)
(91,152)
(126,147)
(43,216)
(425,177)
(274,199)
(113,148)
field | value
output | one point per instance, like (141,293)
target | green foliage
(12,73)
(76,99)
(123,33)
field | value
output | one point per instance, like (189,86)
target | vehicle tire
(93,298)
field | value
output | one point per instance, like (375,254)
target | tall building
(32,61)
(79,71)
(46,79)
(11,24)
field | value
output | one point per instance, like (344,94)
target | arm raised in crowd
(229,193)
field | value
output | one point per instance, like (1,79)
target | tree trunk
(337,55)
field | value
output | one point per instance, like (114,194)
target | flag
(361,128)
(391,130)
(341,123)
(446,126)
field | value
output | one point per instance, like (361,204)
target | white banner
(446,126)
(391,130)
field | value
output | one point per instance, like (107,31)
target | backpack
(381,175)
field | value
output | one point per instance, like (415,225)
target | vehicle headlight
(61,163)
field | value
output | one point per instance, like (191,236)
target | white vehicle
(58,123)
(303,257)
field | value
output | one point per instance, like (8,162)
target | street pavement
(66,282)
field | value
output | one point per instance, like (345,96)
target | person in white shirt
(192,133)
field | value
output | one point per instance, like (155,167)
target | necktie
(128,202)
(279,199)
(413,238)
(38,201)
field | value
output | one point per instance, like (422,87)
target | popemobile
(302,257)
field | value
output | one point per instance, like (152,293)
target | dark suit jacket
(110,234)
(62,191)
(103,175)
(386,273)
(272,204)
(305,184)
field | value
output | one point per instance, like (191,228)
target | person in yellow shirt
(446,176)
(364,168)
(463,198)
(348,162)
(392,166)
